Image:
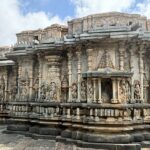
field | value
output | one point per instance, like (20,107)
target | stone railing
(83,113)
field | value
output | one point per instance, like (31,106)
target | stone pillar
(89,55)
(68,113)
(6,83)
(70,75)
(141,67)
(114,99)
(19,75)
(121,56)
(31,79)
(89,85)
(118,90)
(94,83)
(77,113)
(79,75)
(132,70)
(40,74)
(99,91)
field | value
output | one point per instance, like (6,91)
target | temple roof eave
(105,74)
(112,35)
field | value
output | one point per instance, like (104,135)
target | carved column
(141,67)
(31,79)
(121,56)
(89,55)
(118,90)
(132,70)
(19,75)
(99,91)
(79,75)
(70,75)
(94,88)
(40,74)
(114,98)
(89,90)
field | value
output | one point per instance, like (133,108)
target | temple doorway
(106,90)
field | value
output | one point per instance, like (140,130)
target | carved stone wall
(91,82)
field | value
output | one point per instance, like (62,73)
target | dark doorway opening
(106,90)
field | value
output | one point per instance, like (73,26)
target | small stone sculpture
(74,91)
(137,90)
(83,90)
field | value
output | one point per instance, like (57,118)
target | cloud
(143,8)
(12,20)
(86,7)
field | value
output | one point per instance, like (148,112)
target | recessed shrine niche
(50,82)
(25,79)
(107,80)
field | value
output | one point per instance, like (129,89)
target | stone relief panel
(74,89)
(90,91)
(23,89)
(12,83)
(50,88)
(83,90)
(124,91)
(137,90)
(103,58)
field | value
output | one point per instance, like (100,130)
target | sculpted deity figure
(24,93)
(35,88)
(43,92)
(74,91)
(122,90)
(83,90)
(137,90)
(13,92)
(53,91)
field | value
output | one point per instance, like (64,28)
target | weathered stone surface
(87,84)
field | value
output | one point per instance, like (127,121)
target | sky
(19,15)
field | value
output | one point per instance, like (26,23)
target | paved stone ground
(20,142)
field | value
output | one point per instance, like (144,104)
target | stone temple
(85,84)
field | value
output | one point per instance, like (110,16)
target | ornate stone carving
(13,92)
(74,89)
(124,91)
(83,90)
(35,88)
(51,93)
(64,88)
(105,61)
(137,90)
(43,92)
(90,91)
